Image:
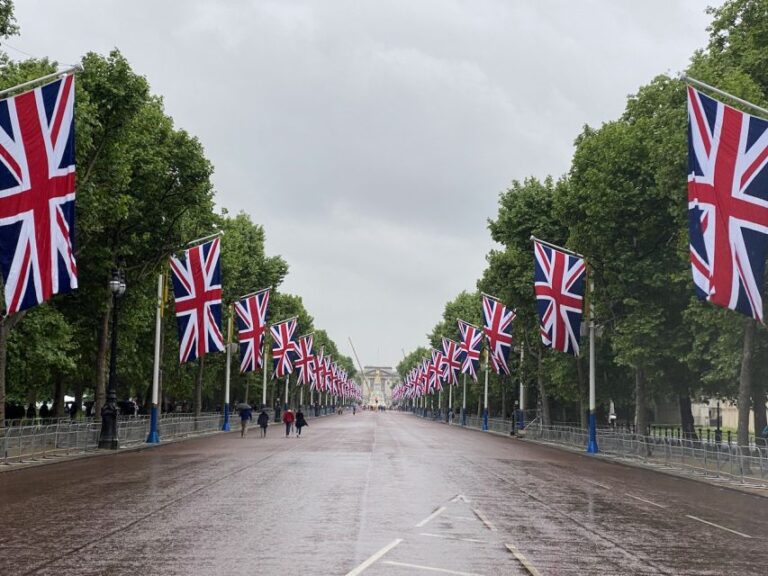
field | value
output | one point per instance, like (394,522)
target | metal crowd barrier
(746,465)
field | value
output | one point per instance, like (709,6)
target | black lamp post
(718,431)
(108,437)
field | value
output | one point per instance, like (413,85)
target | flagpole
(72,69)
(485,395)
(521,419)
(204,238)
(450,402)
(154,436)
(592,445)
(556,247)
(287,377)
(225,425)
(464,402)
(685,78)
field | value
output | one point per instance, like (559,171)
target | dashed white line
(523,560)
(644,500)
(432,516)
(718,526)
(485,520)
(430,568)
(448,537)
(373,559)
(603,486)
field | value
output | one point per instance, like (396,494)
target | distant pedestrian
(31,412)
(246,414)
(263,422)
(300,422)
(288,420)
(44,410)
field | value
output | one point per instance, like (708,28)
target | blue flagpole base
(154,436)
(463,417)
(225,426)
(592,444)
(485,420)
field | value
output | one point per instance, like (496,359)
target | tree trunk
(545,415)
(58,397)
(686,418)
(199,386)
(745,382)
(583,399)
(100,387)
(641,421)
(6,325)
(79,387)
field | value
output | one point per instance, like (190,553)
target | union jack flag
(320,371)
(197,290)
(452,361)
(304,361)
(727,203)
(251,314)
(37,194)
(283,346)
(497,320)
(471,345)
(559,287)
(435,374)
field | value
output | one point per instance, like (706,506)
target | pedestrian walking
(300,422)
(263,422)
(288,420)
(246,414)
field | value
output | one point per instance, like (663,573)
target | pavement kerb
(761,492)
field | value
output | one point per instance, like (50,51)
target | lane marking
(447,537)
(430,568)
(485,520)
(372,560)
(603,486)
(523,560)
(460,498)
(718,526)
(644,500)
(452,517)
(432,516)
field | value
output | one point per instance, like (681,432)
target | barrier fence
(62,437)
(707,459)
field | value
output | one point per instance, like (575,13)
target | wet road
(376,494)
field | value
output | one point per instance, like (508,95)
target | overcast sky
(371,139)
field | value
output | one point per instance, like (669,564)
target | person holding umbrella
(263,422)
(246,414)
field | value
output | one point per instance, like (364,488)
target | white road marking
(452,517)
(447,537)
(372,560)
(485,520)
(603,486)
(430,568)
(523,560)
(718,526)
(432,516)
(644,500)
(460,498)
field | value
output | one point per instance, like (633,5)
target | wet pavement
(377,494)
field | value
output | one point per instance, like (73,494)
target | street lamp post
(108,436)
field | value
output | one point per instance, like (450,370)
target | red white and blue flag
(727,203)
(497,320)
(559,287)
(283,346)
(319,381)
(471,345)
(197,290)
(435,371)
(251,314)
(37,194)
(452,361)
(304,361)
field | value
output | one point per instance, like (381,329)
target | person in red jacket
(288,419)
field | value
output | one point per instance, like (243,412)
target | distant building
(377,384)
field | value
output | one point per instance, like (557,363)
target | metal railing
(745,465)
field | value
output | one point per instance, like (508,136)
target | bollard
(729,437)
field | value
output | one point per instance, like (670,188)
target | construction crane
(360,366)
